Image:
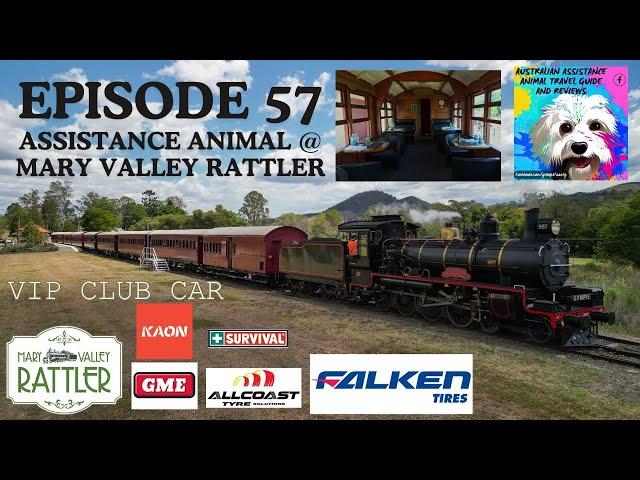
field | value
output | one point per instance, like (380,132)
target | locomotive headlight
(555,227)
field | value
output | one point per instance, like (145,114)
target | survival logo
(64,370)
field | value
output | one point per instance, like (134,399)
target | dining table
(359,155)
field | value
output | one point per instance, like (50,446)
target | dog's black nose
(579,147)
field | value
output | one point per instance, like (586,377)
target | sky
(285,194)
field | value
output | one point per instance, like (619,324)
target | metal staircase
(150,260)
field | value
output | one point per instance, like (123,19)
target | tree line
(607,227)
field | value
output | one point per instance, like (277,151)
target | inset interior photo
(421,125)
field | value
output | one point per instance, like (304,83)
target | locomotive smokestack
(531,224)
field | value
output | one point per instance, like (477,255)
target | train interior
(394,125)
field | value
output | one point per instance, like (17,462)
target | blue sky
(302,194)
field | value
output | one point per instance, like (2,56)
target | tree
(470,211)
(293,220)
(254,209)
(131,214)
(621,234)
(150,202)
(334,217)
(319,226)
(31,236)
(32,203)
(511,222)
(95,219)
(17,216)
(56,204)
(175,201)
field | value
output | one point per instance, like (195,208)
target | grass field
(512,379)
(622,287)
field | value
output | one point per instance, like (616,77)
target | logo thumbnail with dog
(164,331)
(254,388)
(64,370)
(164,385)
(571,123)
(391,384)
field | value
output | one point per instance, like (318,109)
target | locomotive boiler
(538,260)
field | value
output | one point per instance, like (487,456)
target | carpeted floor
(421,161)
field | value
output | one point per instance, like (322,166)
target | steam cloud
(417,216)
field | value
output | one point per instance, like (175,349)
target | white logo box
(159,402)
(221,381)
(400,400)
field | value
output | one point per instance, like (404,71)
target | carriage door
(231,249)
(273,256)
(115,243)
(200,250)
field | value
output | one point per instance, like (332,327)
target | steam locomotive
(515,284)
(474,278)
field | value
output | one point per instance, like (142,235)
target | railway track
(614,350)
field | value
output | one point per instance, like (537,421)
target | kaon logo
(64,370)
(249,338)
(411,380)
(259,378)
(164,331)
(164,385)
(391,384)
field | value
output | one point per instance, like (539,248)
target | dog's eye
(595,126)
(566,127)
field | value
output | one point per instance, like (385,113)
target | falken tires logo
(391,384)
(64,370)
(254,388)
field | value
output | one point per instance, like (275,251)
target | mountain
(357,205)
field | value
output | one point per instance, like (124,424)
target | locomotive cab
(371,237)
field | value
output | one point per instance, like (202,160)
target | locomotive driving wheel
(460,316)
(406,304)
(384,302)
(431,314)
(539,330)
(489,323)
(328,291)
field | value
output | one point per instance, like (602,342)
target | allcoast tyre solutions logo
(254,388)
(391,384)
(64,370)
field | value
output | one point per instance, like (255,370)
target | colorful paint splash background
(527,110)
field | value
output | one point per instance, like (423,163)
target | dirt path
(513,379)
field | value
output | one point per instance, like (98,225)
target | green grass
(621,285)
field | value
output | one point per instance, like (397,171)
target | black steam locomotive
(517,284)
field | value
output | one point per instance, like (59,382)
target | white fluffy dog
(572,134)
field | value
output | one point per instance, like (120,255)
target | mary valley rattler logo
(64,370)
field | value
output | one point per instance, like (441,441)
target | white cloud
(300,103)
(506,66)
(13,129)
(75,74)
(209,71)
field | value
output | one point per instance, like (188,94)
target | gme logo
(164,331)
(391,384)
(164,385)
